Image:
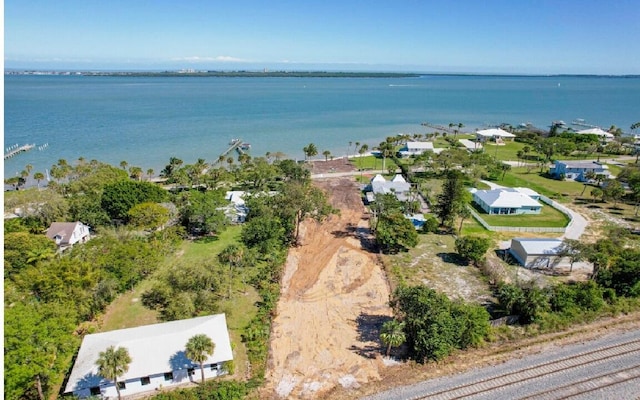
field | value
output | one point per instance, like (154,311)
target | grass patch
(556,189)
(372,163)
(435,263)
(549,217)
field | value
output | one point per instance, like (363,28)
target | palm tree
(392,334)
(38,176)
(310,151)
(150,173)
(326,154)
(198,348)
(112,363)
(123,165)
(232,255)
(135,173)
(590,175)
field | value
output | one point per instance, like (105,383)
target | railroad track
(562,365)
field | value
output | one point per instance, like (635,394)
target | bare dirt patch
(335,165)
(334,299)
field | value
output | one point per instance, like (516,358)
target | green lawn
(372,162)
(549,217)
(556,189)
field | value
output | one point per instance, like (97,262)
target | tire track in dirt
(334,298)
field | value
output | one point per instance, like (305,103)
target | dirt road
(334,298)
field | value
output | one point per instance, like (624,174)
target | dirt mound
(334,299)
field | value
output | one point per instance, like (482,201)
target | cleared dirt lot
(334,298)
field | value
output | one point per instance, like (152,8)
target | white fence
(544,199)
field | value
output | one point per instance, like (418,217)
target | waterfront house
(577,170)
(415,148)
(158,358)
(397,186)
(66,234)
(602,134)
(508,201)
(494,134)
(539,253)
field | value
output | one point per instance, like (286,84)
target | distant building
(602,134)
(236,211)
(66,234)
(415,148)
(471,145)
(539,253)
(577,170)
(508,201)
(495,134)
(397,186)
(158,358)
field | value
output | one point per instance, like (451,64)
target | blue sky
(515,36)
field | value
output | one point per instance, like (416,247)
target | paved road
(607,368)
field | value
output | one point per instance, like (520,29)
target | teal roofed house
(507,201)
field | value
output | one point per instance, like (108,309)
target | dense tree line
(435,326)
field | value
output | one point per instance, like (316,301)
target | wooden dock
(440,127)
(12,151)
(235,144)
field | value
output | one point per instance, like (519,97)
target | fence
(550,202)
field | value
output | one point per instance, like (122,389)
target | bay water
(146,120)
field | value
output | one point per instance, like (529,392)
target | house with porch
(507,201)
(578,170)
(66,234)
(495,135)
(158,357)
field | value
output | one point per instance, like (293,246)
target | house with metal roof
(66,234)
(539,253)
(578,170)
(602,134)
(508,201)
(158,357)
(415,148)
(397,186)
(494,134)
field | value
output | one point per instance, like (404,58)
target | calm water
(144,121)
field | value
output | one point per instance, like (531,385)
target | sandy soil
(334,298)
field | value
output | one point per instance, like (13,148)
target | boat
(245,146)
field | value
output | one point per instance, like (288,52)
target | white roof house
(397,186)
(415,148)
(470,144)
(508,201)
(157,356)
(494,133)
(577,170)
(539,253)
(598,132)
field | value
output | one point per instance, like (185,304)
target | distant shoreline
(294,74)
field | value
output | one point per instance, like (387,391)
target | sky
(464,36)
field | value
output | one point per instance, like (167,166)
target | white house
(66,234)
(471,145)
(539,253)
(508,201)
(415,148)
(158,357)
(397,186)
(495,134)
(577,170)
(236,211)
(602,134)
